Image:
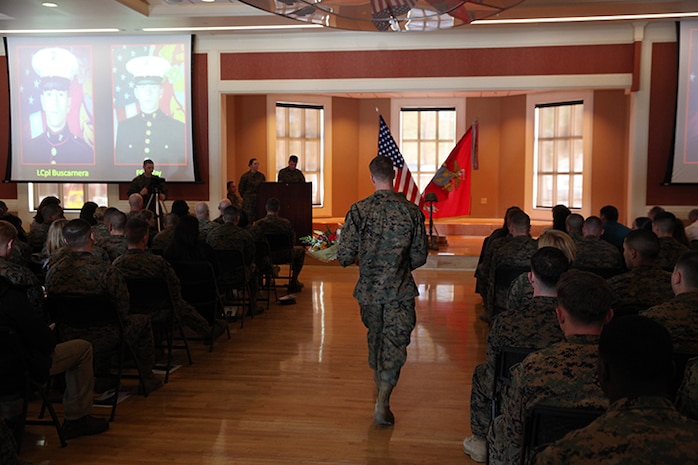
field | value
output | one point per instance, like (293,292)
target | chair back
(280,248)
(504,275)
(150,296)
(199,288)
(232,272)
(504,361)
(82,311)
(546,424)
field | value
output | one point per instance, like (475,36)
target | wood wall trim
(512,61)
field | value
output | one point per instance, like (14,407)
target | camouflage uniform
(520,292)
(229,236)
(669,252)
(23,278)
(137,263)
(289,175)
(235,201)
(577,237)
(533,326)
(100,231)
(641,288)
(272,224)
(163,239)
(205,227)
(82,273)
(385,234)
(482,273)
(563,375)
(114,245)
(97,252)
(680,317)
(592,252)
(248,187)
(687,396)
(38,232)
(640,431)
(20,253)
(517,251)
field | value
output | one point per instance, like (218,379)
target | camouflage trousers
(481,400)
(389,328)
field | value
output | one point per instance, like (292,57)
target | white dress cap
(55,63)
(148,68)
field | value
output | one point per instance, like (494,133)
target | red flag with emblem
(451,183)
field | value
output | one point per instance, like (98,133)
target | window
(558,154)
(427,136)
(300,131)
(72,196)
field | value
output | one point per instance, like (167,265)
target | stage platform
(459,240)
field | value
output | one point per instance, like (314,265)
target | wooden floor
(294,387)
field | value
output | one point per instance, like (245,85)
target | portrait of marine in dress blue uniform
(149,104)
(56,106)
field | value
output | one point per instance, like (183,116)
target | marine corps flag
(451,183)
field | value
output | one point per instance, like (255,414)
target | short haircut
(148,161)
(645,242)
(593,225)
(136,230)
(252,160)
(587,297)
(273,205)
(548,264)
(381,168)
(135,200)
(223,204)
(115,218)
(639,350)
(231,214)
(201,209)
(99,213)
(654,211)
(688,265)
(665,222)
(171,219)
(574,222)
(228,184)
(559,240)
(76,233)
(51,210)
(7,232)
(609,212)
(293,159)
(180,207)
(519,220)
(145,215)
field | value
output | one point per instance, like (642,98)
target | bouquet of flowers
(322,245)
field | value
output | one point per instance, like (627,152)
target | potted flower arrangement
(322,245)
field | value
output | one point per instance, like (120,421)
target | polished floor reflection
(294,387)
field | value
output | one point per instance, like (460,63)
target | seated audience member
(592,252)
(533,326)
(488,246)
(560,214)
(56,248)
(15,220)
(645,284)
(137,263)
(613,231)
(692,229)
(186,246)
(274,224)
(513,251)
(87,212)
(654,211)
(19,276)
(680,314)
(115,244)
(563,374)
(670,249)
(38,231)
(135,205)
(687,396)
(79,272)
(100,230)
(163,239)
(642,222)
(205,224)
(521,291)
(574,224)
(149,217)
(36,344)
(222,205)
(180,208)
(233,195)
(641,426)
(21,252)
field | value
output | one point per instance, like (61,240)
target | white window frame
(587,96)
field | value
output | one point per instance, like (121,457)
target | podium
(296,204)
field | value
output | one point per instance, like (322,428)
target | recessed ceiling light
(50,5)
(208,1)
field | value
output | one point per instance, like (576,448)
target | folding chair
(281,253)
(13,347)
(200,289)
(504,275)
(265,271)
(546,424)
(92,312)
(234,281)
(151,296)
(505,360)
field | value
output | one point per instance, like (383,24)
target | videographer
(151,187)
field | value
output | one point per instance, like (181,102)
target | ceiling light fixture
(50,4)
(385,15)
(230,28)
(59,31)
(574,19)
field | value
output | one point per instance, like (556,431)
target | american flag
(403,178)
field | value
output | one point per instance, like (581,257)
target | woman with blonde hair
(521,290)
